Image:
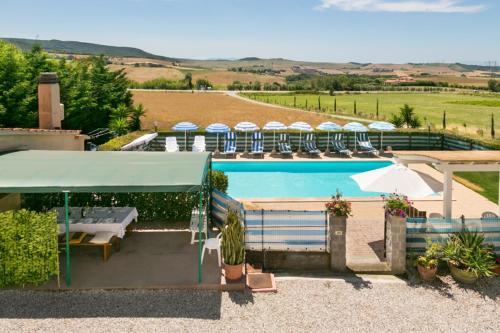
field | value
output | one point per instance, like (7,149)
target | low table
(114,243)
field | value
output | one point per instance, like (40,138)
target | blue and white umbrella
(355,127)
(382,126)
(274,126)
(217,128)
(185,127)
(329,127)
(246,127)
(301,126)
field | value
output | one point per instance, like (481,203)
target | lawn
(484,183)
(473,110)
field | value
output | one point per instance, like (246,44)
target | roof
(39,171)
(38,131)
(454,157)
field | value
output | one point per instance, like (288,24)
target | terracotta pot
(427,274)
(233,272)
(462,275)
(497,269)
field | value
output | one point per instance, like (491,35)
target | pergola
(38,171)
(449,162)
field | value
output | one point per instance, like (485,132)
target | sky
(377,31)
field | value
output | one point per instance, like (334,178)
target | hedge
(120,141)
(28,248)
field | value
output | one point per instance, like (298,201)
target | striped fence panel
(285,230)
(220,203)
(397,140)
(439,230)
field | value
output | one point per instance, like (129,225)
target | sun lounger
(339,146)
(171,145)
(310,145)
(229,144)
(364,144)
(284,145)
(199,144)
(257,144)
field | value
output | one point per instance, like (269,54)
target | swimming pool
(295,179)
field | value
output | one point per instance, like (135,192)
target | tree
(377,109)
(493,85)
(136,113)
(319,102)
(335,105)
(119,126)
(444,119)
(355,111)
(294,101)
(406,117)
(188,78)
(492,125)
(202,84)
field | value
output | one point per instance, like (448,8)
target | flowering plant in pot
(233,246)
(338,207)
(427,264)
(468,257)
(396,204)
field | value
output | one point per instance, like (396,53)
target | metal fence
(439,230)
(286,230)
(397,140)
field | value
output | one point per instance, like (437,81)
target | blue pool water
(295,179)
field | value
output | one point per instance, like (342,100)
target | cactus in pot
(233,246)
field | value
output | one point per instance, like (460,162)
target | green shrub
(118,142)
(218,180)
(28,248)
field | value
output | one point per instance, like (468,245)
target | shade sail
(395,178)
(39,171)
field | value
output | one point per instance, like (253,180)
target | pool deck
(365,229)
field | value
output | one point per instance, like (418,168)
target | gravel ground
(301,304)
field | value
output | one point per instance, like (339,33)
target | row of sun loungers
(283,143)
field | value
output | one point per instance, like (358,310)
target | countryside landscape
(305,166)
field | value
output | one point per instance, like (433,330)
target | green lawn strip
(488,181)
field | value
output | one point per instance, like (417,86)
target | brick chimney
(50,109)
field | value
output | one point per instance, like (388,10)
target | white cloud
(404,6)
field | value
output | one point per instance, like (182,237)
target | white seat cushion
(102,237)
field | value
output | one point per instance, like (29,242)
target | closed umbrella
(217,128)
(329,127)
(355,127)
(301,126)
(274,126)
(382,126)
(185,127)
(395,178)
(246,127)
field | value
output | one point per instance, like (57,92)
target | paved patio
(146,260)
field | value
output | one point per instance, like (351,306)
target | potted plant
(468,257)
(233,246)
(427,264)
(396,205)
(338,207)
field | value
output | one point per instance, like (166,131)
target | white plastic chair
(199,144)
(212,244)
(193,225)
(171,145)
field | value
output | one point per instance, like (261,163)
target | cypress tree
(355,111)
(492,126)
(319,102)
(306,103)
(444,119)
(294,101)
(335,104)
(377,108)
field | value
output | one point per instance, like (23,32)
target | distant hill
(72,47)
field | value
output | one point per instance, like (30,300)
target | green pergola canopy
(39,171)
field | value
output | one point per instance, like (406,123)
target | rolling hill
(73,47)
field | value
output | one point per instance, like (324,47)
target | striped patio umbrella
(329,127)
(246,127)
(185,127)
(274,126)
(382,126)
(217,128)
(355,127)
(301,126)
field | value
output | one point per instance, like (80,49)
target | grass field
(485,183)
(473,110)
(142,74)
(169,108)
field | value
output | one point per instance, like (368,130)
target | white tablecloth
(111,219)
